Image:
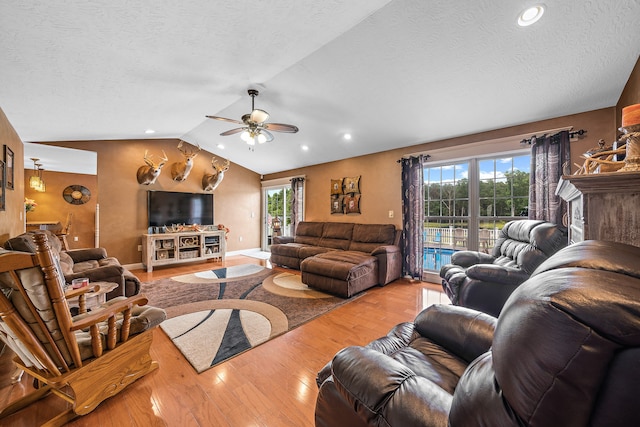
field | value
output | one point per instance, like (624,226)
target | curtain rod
(571,135)
(426,157)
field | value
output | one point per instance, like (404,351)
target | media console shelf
(172,248)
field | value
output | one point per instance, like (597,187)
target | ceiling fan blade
(280,127)
(224,119)
(232,131)
(259,116)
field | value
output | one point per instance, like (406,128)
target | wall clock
(76,194)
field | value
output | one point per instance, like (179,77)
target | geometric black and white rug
(217,314)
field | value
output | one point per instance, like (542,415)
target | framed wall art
(345,195)
(8,165)
(351,185)
(352,204)
(336,186)
(337,203)
(2,185)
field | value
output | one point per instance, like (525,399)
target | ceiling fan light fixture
(255,130)
(259,116)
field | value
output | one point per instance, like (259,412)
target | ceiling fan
(255,130)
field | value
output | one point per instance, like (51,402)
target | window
(468,202)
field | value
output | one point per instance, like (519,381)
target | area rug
(217,314)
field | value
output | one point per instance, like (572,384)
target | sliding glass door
(277,213)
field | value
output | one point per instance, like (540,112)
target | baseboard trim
(140,266)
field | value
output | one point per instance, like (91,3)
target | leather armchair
(92,263)
(484,281)
(564,351)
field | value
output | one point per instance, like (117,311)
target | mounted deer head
(210,181)
(181,170)
(148,174)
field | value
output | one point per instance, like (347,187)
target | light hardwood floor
(271,385)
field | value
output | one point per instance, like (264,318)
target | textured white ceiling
(392,73)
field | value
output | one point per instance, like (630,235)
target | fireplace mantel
(602,206)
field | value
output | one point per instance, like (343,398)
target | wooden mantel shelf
(603,206)
(601,182)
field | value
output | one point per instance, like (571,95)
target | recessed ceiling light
(220,146)
(347,136)
(304,147)
(531,15)
(149,131)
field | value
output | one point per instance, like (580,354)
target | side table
(92,299)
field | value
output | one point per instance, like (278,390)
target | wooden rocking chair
(84,359)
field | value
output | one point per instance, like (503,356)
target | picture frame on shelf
(9,160)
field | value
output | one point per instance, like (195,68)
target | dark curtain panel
(412,215)
(297,202)
(548,157)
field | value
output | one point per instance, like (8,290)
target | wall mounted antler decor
(148,174)
(210,181)
(181,170)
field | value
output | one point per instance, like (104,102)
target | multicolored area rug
(217,314)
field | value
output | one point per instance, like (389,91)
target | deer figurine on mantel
(148,174)
(210,181)
(181,170)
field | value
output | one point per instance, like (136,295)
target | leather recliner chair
(92,263)
(565,351)
(484,281)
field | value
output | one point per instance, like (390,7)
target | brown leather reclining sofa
(341,258)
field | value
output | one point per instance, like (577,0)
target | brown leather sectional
(341,258)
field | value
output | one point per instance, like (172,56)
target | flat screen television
(170,207)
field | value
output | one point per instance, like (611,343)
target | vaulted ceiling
(392,73)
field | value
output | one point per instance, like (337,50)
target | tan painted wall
(12,218)
(630,94)
(53,207)
(380,173)
(123,202)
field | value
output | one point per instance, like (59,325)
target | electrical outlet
(240,238)
(390,214)
(75,238)
(139,248)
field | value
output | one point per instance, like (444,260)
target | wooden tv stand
(174,248)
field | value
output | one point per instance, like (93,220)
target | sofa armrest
(389,393)
(497,274)
(469,258)
(385,249)
(80,255)
(389,263)
(462,331)
(398,337)
(107,273)
(279,240)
